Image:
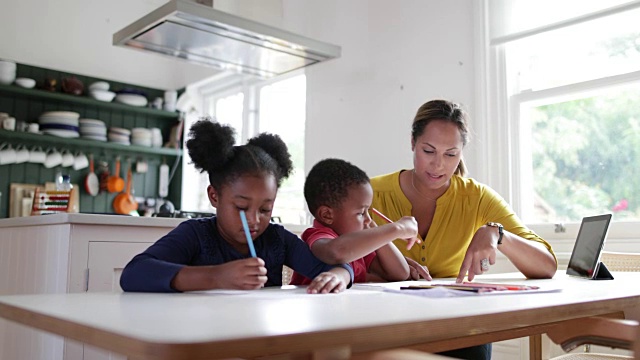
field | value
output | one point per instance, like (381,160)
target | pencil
(375,211)
(245,225)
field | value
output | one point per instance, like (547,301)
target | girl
(213,253)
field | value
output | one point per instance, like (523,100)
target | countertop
(91,219)
(106,219)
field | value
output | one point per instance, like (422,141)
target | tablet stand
(602,273)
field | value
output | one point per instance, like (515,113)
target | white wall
(76,36)
(395,56)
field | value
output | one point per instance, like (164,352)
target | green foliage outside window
(586,157)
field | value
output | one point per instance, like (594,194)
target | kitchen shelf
(51,140)
(84,100)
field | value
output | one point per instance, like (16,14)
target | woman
(461,222)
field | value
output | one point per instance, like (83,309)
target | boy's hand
(417,271)
(408,227)
(331,281)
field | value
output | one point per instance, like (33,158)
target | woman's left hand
(327,282)
(481,251)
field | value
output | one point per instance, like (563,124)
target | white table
(276,321)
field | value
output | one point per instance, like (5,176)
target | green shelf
(50,140)
(84,100)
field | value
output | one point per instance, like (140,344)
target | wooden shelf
(84,100)
(50,140)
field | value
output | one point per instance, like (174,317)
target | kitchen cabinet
(67,253)
(26,105)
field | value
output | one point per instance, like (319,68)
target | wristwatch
(500,230)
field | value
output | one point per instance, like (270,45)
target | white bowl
(102,95)
(131,99)
(99,85)
(26,82)
(7,79)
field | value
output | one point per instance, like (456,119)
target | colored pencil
(375,211)
(247,233)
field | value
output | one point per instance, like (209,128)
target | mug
(9,123)
(7,154)
(53,158)
(22,154)
(81,161)
(67,158)
(37,156)
(33,128)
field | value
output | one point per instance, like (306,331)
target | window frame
(498,122)
(207,92)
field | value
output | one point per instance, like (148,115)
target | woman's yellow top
(460,211)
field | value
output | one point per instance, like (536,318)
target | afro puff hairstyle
(211,148)
(328,183)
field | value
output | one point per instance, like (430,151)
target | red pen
(375,211)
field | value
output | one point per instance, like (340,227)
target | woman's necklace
(413,173)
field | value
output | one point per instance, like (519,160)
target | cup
(7,154)
(81,161)
(9,123)
(22,154)
(33,128)
(37,155)
(21,125)
(67,158)
(53,158)
(170,99)
(157,103)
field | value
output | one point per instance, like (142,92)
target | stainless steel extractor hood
(200,34)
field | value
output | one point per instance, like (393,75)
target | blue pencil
(245,225)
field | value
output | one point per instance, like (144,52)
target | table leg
(535,347)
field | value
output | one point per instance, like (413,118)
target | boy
(339,195)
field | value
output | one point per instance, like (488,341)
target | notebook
(585,257)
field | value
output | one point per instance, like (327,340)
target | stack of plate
(141,137)
(93,129)
(131,99)
(60,123)
(119,135)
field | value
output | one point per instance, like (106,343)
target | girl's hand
(245,274)
(408,227)
(417,271)
(334,281)
(483,246)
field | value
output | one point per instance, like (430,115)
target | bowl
(7,78)
(25,82)
(99,85)
(102,95)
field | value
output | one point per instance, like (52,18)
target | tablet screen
(586,251)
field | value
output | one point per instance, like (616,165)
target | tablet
(585,257)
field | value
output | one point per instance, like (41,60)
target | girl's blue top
(197,242)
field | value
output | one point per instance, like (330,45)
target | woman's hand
(417,271)
(335,280)
(408,230)
(483,246)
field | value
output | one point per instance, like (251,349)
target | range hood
(200,34)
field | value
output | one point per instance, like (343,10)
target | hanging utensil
(124,203)
(91,182)
(115,183)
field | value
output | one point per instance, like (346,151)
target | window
(572,89)
(282,112)
(275,106)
